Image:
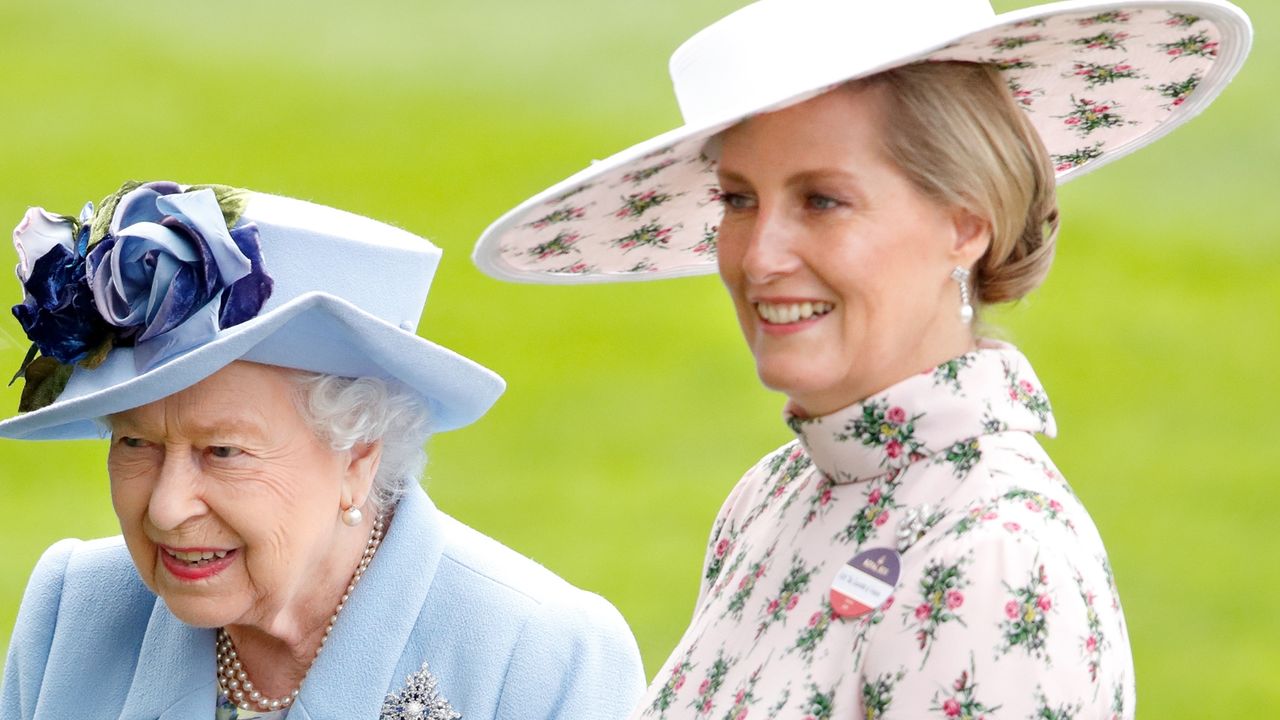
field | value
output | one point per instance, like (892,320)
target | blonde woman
(867,177)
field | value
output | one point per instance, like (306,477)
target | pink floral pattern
(1096,74)
(788,596)
(1078,157)
(707,244)
(1025,97)
(637,204)
(651,235)
(1093,83)
(562,244)
(1197,45)
(1177,91)
(1089,116)
(562,215)
(1105,40)
(703,703)
(1014,42)
(671,685)
(1005,605)
(1106,18)
(1027,623)
(1182,20)
(941,596)
(961,700)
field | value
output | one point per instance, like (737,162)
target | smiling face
(839,268)
(229,503)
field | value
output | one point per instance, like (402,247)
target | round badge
(865,582)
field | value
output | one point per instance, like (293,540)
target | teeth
(783,314)
(197,556)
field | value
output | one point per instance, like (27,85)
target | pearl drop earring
(352,516)
(961,276)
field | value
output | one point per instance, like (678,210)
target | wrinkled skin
(230,464)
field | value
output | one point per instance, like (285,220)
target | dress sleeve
(573,660)
(1002,620)
(33,634)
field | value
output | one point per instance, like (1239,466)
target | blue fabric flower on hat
(57,313)
(155,267)
(169,273)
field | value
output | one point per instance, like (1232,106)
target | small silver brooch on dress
(915,523)
(420,699)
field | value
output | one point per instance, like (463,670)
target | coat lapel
(352,676)
(175,674)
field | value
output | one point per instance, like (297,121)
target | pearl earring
(352,516)
(961,276)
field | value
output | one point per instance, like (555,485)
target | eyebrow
(234,428)
(812,175)
(731,176)
(238,428)
(800,178)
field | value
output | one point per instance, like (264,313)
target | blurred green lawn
(633,409)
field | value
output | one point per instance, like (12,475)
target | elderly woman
(869,176)
(253,360)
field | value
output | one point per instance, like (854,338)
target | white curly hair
(345,412)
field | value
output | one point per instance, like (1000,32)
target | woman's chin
(205,602)
(200,612)
(808,387)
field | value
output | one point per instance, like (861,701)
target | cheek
(875,271)
(729,255)
(131,483)
(279,511)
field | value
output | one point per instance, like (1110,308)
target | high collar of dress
(942,410)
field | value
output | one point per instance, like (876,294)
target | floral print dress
(1004,605)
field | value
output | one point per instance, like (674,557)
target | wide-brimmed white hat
(1098,80)
(163,285)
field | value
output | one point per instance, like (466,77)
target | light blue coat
(504,637)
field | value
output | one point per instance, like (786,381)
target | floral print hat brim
(161,285)
(1098,80)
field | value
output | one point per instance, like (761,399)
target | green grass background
(633,409)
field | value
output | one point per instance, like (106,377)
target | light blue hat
(163,285)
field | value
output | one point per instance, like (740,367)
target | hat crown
(309,248)
(779,48)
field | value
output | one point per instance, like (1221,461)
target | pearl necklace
(234,680)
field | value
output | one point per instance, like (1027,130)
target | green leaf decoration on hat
(46,379)
(26,362)
(98,355)
(232,200)
(101,224)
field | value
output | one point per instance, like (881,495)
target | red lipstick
(204,569)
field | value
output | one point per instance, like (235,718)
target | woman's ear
(363,460)
(972,237)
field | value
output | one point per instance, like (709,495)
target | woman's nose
(770,251)
(175,497)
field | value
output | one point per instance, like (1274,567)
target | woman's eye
(224,452)
(133,442)
(736,201)
(823,202)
